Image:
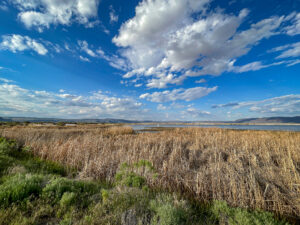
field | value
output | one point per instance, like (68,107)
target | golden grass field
(249,169)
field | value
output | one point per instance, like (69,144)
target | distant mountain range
(295,119)
(55,120)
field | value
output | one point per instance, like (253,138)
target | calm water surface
(241,127)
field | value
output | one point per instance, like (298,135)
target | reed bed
(249,169)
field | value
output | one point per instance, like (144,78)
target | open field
(248,169)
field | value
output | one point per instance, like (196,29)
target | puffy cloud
(87,8)
(17,43)
(193,113)
(161,107)
(282,105)
(4,80)
(162,80)
(152,19)
(178,94)
(41,14)
(165,37)
(17,101)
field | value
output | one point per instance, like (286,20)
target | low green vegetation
(35,191)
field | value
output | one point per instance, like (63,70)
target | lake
(240,127)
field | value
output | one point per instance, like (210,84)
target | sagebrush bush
(58,186)
(34,165)
(167,212)
(67,199)
(135,175)
(235,216)
(7,147)
(19,187)
(5,163)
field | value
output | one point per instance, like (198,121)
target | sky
(192,60)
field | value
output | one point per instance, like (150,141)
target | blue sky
(150,59)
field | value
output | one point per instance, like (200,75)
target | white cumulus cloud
(41,14)
(165,38)
(17,43)
(193,113)
(18,101)
(178,94)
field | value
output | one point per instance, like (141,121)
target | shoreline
(238,124)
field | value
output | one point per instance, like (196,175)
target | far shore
(213,123)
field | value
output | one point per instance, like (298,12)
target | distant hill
(5,120)
(55,120)
(295,119)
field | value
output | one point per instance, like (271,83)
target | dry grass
(255,169)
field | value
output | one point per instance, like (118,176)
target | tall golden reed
(250,169)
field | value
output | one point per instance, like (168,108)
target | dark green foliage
(234,216)
(168,213)
(36,165)
(135,175)
(8,147)
(19,187)
(68,199)
(9,123)
(10,152)
(5,163)
(58,186)
(130,179)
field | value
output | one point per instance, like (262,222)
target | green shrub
(167,212)
(66,221)
(36,165)
(237,216)
(5,163)
(58,186)
(67,199)
(118,201)
(104,195)
(19,187)
(144,164)
(135,175)
(130,179)
(7,147)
